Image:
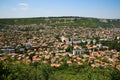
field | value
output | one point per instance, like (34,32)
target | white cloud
(23,6)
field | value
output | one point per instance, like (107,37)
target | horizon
(58,17)
(102,9)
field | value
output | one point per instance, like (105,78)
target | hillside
(63,21)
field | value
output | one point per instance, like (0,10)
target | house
(94,41)
(7,51)
(88,41)
(55,65)
(78,52)
(64,39)
(99,45)
(28,45)
(69,62)
(75,40)
(118,67)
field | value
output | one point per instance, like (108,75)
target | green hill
(63,21)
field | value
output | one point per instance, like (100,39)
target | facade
(7,51)
(78,52)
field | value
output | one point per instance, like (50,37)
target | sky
(48,8)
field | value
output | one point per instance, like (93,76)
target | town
(72,48)
(56,45)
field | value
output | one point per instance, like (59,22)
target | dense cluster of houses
(59,45)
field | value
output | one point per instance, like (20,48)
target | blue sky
(44,8)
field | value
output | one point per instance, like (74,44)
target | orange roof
(118,67)
(44,44)
(55,65)
(74,57)
(79,63)
(69,62)
(28,61)
(36,59)
(2,58)
(92,65)
(78,58)
(1,43)
(28,51)
(44,62)
(74,60)
(47,57)
(53,60)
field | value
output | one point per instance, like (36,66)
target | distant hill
(63,21)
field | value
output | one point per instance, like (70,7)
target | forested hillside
(39,71)
(63,21)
